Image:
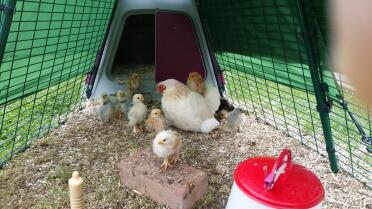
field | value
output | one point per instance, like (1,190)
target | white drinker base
(239,200)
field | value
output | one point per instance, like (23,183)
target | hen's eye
(164,140)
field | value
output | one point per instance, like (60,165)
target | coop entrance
(136,49)
(158,46)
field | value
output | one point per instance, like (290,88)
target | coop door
(176,47)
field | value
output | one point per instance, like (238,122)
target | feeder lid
(295,187)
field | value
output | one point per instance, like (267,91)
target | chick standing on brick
(167,145)
(155,122)
(236,118)
(137,113)
(106,110)
(121,107)
(196,83)
(134,84)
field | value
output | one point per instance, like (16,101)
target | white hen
(137,113)
(184,108)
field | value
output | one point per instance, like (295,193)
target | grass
(31,117)
(95,149)
(294,111)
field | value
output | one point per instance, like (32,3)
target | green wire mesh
(258,44)
(260,48)
(52,44)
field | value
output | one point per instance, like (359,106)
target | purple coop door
(177,51)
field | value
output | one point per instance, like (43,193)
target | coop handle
(281,163)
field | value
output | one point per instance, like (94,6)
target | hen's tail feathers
(209,124)
(212,96)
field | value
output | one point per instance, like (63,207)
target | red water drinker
(267,182)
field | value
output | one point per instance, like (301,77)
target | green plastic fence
(273,55)
(276,26)
(50,47)
(50,42)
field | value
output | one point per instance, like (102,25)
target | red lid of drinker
(279,183)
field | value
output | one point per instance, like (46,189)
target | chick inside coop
(136,50)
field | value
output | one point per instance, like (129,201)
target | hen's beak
(160,142)
(142,99)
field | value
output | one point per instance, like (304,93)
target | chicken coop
(269,57)
(156,39)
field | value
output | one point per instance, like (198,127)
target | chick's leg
(117,115)
(175,159)
(165,165)
(135,129)
(140,127)
(125,117)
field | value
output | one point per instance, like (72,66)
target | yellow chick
(196,83)
(210,93)
(121,107)
(137,113)
(155,122)
(134,83)
(167,145)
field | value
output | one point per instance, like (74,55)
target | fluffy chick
(106,109)
(155,122)
(134,83)
(137,113)
(210,93)
(196,83)
(121,107)
(167,145)
(236,118)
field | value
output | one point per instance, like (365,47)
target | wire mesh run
(51,45)
(259,46)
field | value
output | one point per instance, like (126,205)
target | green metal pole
(8,9)
(323,104)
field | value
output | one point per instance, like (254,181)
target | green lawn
(27,119)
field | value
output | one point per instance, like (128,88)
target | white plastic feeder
(297,187)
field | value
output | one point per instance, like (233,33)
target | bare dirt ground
(37,178)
